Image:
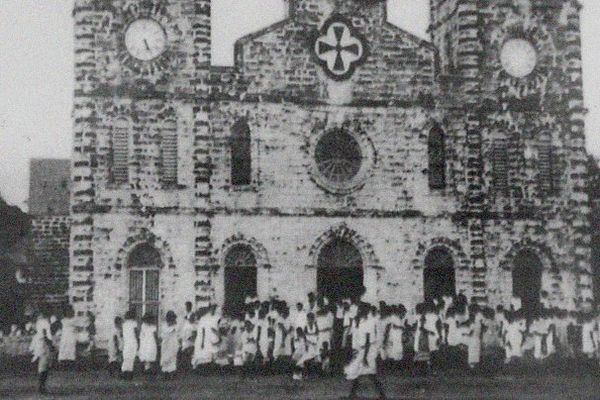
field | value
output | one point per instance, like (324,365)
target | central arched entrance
(527,281)
(439,278)
(340,270)
(240,278)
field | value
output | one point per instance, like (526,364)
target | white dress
(114,346)
(68,341)
(148,346)
(433,335)
(130,345)
(357,366)
(587,340)
(395,347)
(325,323)
(206,346)
(264,340)
(169,348)
(514,339)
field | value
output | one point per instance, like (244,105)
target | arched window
(240,278)
(546,177)
(120,151)
(437,158)
(527,280)
(500,167)
(144,263)
(439,275)
(168,148)
(241,157)
(340,270)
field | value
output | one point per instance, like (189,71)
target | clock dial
(519,57)
(145,39)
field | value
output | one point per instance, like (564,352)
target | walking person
(42,349)
(364,360)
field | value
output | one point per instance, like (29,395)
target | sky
(36,72)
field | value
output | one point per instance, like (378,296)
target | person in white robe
(115,346)
(587,336)
(41,346)
(170,344)
(68,339)
(515,330)
(396,327)
(148,350)
(364,359)
(207,342)
(130,344)
(187,334)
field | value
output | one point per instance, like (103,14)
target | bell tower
(140,133)
(514,67)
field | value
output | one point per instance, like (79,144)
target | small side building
(47,278)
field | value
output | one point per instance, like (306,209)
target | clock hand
(147,46)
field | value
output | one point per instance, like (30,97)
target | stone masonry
(509,175)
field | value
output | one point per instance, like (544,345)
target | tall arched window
(437,158)
(144,263)
(439,275)
(241,158)
(546,177)
(120,151)
(340,270)
(240,278)
(168,148)
(527,280)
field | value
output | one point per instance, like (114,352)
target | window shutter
(169,152)
(500,166)
(120,151)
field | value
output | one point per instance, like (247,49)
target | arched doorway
(527,280)
(340,270)
(144,264)
(240,278)
(439,275)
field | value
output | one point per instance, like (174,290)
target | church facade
(338,153)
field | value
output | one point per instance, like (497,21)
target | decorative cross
(338,48)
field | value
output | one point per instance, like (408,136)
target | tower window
(437,158)
(120,151)
(500,167)
(169,152)
(241,158)
(546,177)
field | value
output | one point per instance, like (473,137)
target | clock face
(145,39)
(519,57)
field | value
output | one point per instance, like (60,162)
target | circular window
(338,157)
(518,57)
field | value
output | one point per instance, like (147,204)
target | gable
(281,61)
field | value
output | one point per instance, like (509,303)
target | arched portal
(144,264)
(527,280)
(439,275)
(340,270)
(240,278)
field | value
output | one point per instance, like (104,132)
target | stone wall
(48,277)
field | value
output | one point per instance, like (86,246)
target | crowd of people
(348,336)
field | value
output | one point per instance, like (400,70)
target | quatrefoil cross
(338,48)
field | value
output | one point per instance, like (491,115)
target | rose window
(338,157)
